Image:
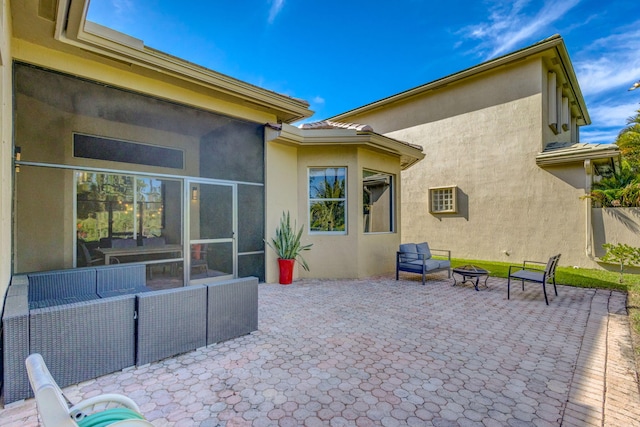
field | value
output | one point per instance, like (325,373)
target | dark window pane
(93,147)
(250,218)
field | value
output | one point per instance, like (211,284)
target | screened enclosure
(112,176)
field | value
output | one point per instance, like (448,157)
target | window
(377,202)
(94,147)
(327,200)
(123,206)
(443,199)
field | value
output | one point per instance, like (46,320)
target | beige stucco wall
(332,255)
(377,251)
(281,195)
(6,150)
(615,225)
(349,255)
(482,135)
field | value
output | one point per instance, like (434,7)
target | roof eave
(290,135)
(573,156)
(553,42)
(73,28)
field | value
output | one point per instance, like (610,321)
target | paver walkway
(380,352)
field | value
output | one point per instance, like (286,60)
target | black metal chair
(528,273)
(85,259)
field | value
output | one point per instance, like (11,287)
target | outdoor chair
(85,259)
(417,258)
(534,273)
(55,410)
(199,261)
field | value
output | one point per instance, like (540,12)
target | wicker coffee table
(469,273)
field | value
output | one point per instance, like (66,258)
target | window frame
(311,200)
(392,200)
(454,199)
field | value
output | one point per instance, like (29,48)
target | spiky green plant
(287,243)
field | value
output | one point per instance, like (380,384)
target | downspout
(588,168)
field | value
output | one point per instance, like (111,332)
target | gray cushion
(63,284)
(528,275)
(408,249)
(444,264)
(430,264)
(423,248)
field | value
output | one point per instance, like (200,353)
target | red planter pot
(286,270)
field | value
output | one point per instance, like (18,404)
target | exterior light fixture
(17,152)
(194,193)
(635,86)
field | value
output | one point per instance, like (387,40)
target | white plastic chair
(111,410)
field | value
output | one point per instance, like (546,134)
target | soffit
(550,48)
(409,154)
(67,32)
(560,152)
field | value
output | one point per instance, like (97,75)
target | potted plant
(288,247)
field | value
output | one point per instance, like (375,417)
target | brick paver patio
(380,352)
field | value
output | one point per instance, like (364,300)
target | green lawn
(584,278)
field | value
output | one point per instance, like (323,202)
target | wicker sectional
(84,338)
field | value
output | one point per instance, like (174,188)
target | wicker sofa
(127,325)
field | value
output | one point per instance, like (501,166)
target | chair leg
(544,289)
(397,273)
(423,280)
(508,286)
(554,286)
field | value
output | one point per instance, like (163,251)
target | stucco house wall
(482,133)
(615,225)
(353,253)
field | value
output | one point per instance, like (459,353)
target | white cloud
(598,136)
(318,100)
(608,119)
(276,7)
(122,7)
(509,25)
(612,62)
(613,115)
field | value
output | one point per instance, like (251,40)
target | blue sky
(339,55)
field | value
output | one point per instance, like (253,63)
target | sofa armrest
(442,252)
(15,341)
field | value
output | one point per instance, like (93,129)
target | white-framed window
(443,199)
(377,201)
(328,200)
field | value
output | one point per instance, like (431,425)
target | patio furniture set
(100,320)
(419,258)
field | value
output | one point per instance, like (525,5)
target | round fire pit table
(469,273)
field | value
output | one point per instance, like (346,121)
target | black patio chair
(529,273)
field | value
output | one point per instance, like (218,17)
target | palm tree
(327,214)
(622,189)
(629,142)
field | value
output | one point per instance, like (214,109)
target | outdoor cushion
(528,275)
(408,249)
(121,280)
(429,264)
(444,264)
(51,288)
(423,248)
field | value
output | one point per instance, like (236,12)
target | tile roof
(554,147)
(328,124)
(562,152)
